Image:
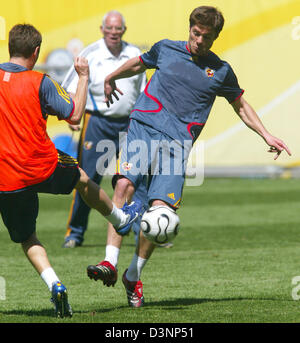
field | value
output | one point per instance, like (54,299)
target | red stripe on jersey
(242,92)
(160,106)
(193,124)
(71,114)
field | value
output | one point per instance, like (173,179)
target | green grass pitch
(233,261)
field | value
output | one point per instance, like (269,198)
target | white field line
(263,111)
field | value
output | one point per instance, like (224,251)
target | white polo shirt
(101,63)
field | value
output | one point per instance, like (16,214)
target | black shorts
(64,178)
(19,210)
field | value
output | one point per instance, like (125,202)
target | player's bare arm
(71,126)
(82,68)
(251,119)
(130,68)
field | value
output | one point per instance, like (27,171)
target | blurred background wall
(260,39)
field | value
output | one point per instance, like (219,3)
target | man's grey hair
(110,13)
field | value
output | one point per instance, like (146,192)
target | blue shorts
(151,153)
(19,209)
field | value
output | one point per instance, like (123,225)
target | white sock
(117,217)
(49,277)
(135,269)
(112,254)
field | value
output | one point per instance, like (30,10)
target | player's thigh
(167,171)
(19,212)
(135,154)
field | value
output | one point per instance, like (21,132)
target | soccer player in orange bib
(30,163)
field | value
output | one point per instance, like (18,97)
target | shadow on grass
(177,304)
(30,313)
(102,245)
(167,305)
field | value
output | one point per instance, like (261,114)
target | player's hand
(81,66)
(277,146)
(110,89)
(74,127)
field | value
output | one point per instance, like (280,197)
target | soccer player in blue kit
(174,107)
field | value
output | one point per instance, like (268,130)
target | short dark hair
(207,16)
(23,40)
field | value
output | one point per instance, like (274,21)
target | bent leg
(96,198)
(19,212)
(143,252)
(106,270)
(87,158)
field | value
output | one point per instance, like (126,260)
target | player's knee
(158,202)
(124,188)
(83,179)
(30,241)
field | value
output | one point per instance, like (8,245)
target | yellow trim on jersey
(66,159)
(61,91)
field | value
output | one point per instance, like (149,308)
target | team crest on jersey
(126,166)
(87,145)
(209,72)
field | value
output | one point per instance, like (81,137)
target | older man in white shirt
(102,123)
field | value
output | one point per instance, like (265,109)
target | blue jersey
(54,99)
(179,97)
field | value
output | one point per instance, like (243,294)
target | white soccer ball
(160,224)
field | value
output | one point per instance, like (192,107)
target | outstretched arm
(251,119)
(130,68)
